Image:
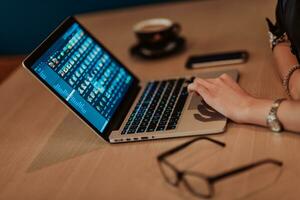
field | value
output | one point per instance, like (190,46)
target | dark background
(25,23)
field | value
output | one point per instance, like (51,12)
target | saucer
(173,47)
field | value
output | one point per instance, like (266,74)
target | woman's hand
(225,96)
(228,98)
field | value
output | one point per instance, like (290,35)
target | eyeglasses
(197,183)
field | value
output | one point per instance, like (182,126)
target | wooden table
(47,153)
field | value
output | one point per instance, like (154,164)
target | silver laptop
(111,100)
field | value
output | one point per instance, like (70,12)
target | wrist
(294,85)
(257,111)
(285,44)
(287,79)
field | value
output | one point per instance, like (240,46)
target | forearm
(288,113)
(285,60)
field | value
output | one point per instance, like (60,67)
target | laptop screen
(85,75)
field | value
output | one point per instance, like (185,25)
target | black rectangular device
(217,59)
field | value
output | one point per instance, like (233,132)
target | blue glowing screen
(85,75)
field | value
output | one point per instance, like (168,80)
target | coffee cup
(156,33)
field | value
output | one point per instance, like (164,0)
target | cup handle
(176,28)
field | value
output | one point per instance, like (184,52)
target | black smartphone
(217,59)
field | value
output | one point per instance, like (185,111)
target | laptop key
(178,109)
(142,130)
(160,128)
(170,127)
(130,131)
(150,129)
(160,107)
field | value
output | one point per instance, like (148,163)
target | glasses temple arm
(184,145)
(242,169)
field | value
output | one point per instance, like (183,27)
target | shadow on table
(71,138)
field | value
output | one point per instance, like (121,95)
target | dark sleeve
(288,19)
(292,22)
(280,16)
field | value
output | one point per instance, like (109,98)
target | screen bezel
(44,46)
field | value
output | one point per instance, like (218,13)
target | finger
(203,92)
(214,80)
(192,87)
(227,79)
(211,80)
(199,89)
(204,83)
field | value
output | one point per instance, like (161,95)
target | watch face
(275,126)
(272,119)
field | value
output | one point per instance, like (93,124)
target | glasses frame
(210,180)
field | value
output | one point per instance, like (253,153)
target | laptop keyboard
(159,107)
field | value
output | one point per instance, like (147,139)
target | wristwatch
(272,118)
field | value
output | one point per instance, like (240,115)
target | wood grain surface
(47,153)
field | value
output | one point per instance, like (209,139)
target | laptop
(110,99)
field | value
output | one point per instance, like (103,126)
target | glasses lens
(168,172)
(198,185)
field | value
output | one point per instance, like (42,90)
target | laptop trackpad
(200,118)
(204,112)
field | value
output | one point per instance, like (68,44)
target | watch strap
(272,119)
